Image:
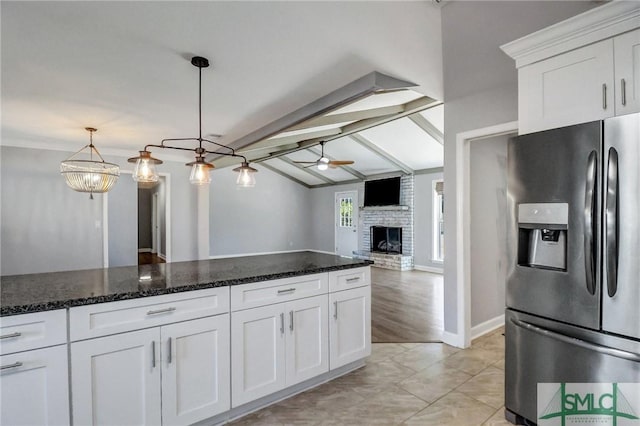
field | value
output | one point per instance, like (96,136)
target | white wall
(423,221)
(480,87)
(275,215)
(489,257)
(48,227)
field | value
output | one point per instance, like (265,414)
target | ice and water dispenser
(542,235)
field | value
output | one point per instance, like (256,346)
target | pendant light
(145,169)
(89,175)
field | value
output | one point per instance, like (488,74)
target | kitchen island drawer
(31,331)
(263,293)
(349,278)
(117,317)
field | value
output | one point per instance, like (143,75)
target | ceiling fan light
(200,172)
(323,163)
(246,176)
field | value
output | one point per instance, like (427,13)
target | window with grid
(346,212)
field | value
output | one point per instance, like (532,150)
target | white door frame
(167,219)
(462,259)
(155,223)
(356,215)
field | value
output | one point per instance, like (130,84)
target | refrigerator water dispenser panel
(542,235)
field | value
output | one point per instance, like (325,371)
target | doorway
(346,220)
(151,223)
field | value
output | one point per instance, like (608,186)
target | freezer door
(621,233)
(542,351)
(563,167)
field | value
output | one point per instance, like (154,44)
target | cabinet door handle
(282,323)
(169,351)
(153,354)
(335,309)
(604,96)
(352,280)
(623,88)
(161,311)
(11,335)
(291,320)
(286,291)
(14,365)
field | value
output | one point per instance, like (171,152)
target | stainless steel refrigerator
(573,288)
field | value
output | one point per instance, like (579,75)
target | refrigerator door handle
(590,222)
(606,350)
(611,215)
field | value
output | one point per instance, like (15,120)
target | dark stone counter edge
(62,304)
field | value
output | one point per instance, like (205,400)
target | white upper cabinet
(583,69)
(626,48)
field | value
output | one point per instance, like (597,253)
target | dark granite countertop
(21,294)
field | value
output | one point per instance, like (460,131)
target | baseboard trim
(162,256)
(487,326)
(145,250)
(428,269)
(452,339)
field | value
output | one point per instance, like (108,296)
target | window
(438,220)
(346,212)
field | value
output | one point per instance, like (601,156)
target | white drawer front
(245,296)
(121,316)
(349,278)
(31,331)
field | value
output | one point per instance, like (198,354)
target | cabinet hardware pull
(623,86)
(282,323)
(14,365)
(351,280)
(153,354)
(161,311)
(335,309)
(287,291)
(169,352)
(291,320)
(604,96)
(11,335)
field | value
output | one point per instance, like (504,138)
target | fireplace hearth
(386,239)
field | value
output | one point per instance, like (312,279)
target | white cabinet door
(626,49)
(349,326)
(34,387)
(307,345)
(257,353)
(575,87)
(195,370)
(116,380)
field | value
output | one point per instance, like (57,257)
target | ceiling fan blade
(340,162)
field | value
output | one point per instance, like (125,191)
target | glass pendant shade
(246,176)
(200,172)
(323,163)
(89,175)
(145,168)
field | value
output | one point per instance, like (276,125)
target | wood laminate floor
(406,307)
(147,258)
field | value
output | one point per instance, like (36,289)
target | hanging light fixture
(89,175)
(145,169)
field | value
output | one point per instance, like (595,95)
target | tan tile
(264,417)
(327,396)
(497,419)
(493,342)
(472,361)
(383,372)
(499,364)
(434,382)
(388,408)
(454,409)
(487,387)
(424,355)
(383,351)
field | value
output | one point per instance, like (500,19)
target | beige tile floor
(405,384)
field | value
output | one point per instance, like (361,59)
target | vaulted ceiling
(123,67)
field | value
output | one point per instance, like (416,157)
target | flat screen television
(382,192)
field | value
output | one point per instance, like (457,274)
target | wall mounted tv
(382,192)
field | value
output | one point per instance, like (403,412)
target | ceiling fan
(323,163)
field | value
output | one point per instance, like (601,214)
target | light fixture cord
(200,105)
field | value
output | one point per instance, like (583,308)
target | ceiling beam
(429,128)
(283,174)
(289,139)
(382,153)
(429,171)
(345,117)
(344,182)
(350,170)
(308,170)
